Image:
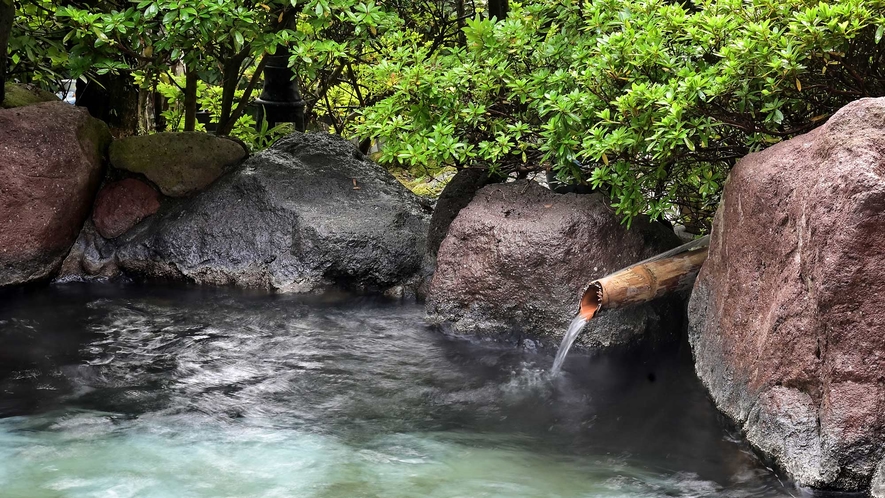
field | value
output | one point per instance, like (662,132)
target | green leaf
(688,143)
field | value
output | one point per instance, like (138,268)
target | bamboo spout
(671,271)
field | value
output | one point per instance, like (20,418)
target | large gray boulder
(787,317)
(51,159)
(517,258)
(308,213)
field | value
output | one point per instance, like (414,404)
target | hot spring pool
(145,391)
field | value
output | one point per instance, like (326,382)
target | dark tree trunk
(160,105)
(230,78)
(244,100)
(147,113)
(7,12)
(112,98)
(459,12)
(190,101)
(498,9)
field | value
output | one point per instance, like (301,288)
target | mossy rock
(178,163)
(20,95)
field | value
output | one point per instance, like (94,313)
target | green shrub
(653,101)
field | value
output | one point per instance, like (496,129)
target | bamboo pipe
(671,271)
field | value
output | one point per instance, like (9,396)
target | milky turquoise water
(134,391)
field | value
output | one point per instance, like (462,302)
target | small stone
(121,205)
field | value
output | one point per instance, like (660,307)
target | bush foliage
(653,101)
(223,42)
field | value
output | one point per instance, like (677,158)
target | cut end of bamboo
(591,301)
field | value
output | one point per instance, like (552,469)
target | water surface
(137,391)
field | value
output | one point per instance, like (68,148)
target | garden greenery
(221,41)
(256,135)
(651,100)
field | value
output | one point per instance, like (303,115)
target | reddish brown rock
(50,164)
(517,258)
(120,205)
(787,318)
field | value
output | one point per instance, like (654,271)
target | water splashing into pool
(133,391)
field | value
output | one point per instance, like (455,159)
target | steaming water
(128,391)
(568,339)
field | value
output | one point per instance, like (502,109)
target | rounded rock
(51,162)
(516,259)
(787,316)
(180,164)
(121,205)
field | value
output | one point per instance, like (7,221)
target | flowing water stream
(574,329)
(135,391)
